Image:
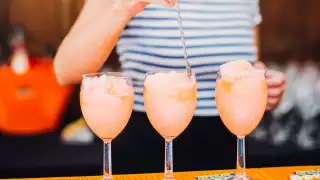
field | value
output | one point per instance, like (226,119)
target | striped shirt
(216,31)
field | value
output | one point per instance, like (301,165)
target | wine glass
(106,102)
(241,99)
(170,101)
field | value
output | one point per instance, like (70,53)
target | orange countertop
(279,173)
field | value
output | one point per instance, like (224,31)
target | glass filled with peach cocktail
(241,98)
(106,102)
(170,101)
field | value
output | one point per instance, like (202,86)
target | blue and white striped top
(216,31)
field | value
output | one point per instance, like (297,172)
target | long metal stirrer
(188,66)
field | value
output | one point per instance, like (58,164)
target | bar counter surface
(279,173)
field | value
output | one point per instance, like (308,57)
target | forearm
(259,63)
(90,41)
(257,41)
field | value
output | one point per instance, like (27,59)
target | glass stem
(241,156)
(107,170)
(168,164)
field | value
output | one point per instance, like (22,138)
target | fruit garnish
(226,85)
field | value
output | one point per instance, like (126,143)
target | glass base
(239,177)
(107,177)
(168,178)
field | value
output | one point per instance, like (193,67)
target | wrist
(109,9)
(121,14)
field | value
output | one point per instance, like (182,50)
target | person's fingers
(275,96)
(273,103)
(170,3)
(268,108)
(275,78)
(166,3)
(276,92)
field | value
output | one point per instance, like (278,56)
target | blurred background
(36,139)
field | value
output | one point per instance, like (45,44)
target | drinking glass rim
(167,71)
(118,75)
(256,70)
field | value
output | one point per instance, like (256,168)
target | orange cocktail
(106,103)
(241,98)
(170,100)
